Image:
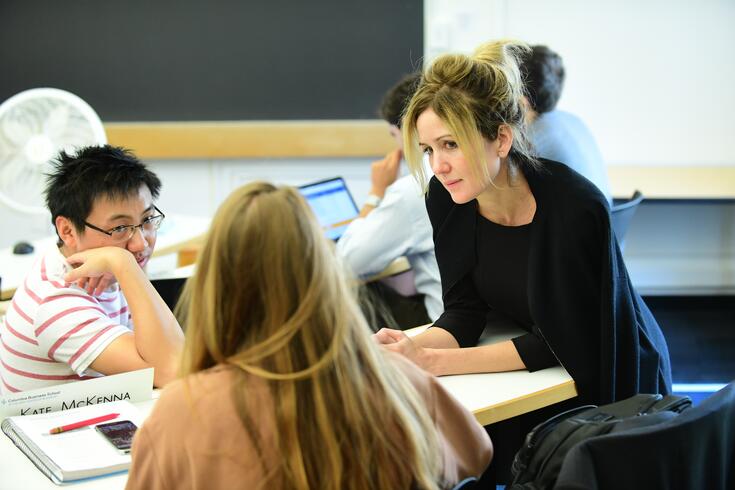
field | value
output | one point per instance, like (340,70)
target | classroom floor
(700,332)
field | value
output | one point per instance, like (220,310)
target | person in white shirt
(72,318)
(556,134)
(393,222)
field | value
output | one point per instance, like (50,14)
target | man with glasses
(73,316)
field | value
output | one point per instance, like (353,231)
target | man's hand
(157,340)
(97,264)
(384,172)
(96,285)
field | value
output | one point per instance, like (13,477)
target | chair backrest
(622,214)
(466,484)
(169,289)
(693,450)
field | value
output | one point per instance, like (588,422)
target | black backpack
(537,463)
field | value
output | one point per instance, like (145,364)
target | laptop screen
(332,204)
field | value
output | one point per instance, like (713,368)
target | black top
(580,298)
(501,281)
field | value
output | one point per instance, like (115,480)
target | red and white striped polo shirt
(52,332)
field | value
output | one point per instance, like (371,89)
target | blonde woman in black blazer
(525,238)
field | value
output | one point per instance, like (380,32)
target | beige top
(195,439)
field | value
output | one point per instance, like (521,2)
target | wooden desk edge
(401,264)
(526,403)
(197,240)
(520,405)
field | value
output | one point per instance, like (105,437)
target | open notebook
(74,455)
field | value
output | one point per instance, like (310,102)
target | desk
(175,233)
(493,397)
(18,473)
(399,265)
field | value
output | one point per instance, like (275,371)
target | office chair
(695,449)
(621,215)
(466,484)
(169,289)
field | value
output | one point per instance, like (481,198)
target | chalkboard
(183,60)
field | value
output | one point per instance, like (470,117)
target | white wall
(653,79)
(197,187)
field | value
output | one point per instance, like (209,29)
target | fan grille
(35,126)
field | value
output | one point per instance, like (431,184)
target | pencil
(83,423)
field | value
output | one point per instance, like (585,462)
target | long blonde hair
(474,96)
(270,299)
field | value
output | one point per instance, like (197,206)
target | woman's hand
(388,336)
(398,341)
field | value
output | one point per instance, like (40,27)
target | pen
(83,423)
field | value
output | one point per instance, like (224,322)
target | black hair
(543,73)
(78,179)
(397,98)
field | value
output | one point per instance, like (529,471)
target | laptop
(332,203)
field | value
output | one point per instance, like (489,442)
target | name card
(135,386)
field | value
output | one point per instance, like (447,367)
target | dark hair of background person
(94,171)
(396,99)
(543,73)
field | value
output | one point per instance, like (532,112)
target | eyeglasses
(123,233)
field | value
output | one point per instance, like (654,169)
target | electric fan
(35,125)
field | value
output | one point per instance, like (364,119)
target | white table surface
(18,473)
(493,397)
(176,231)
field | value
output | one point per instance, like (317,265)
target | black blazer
(580,296)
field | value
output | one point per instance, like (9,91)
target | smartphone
(119,434)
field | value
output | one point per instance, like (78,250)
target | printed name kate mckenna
(90,400)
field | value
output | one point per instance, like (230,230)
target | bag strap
(540,431)
(523,457)
(635,405)
(672,403)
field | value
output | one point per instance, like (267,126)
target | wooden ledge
(252,139)
(212,140)
(673,182)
